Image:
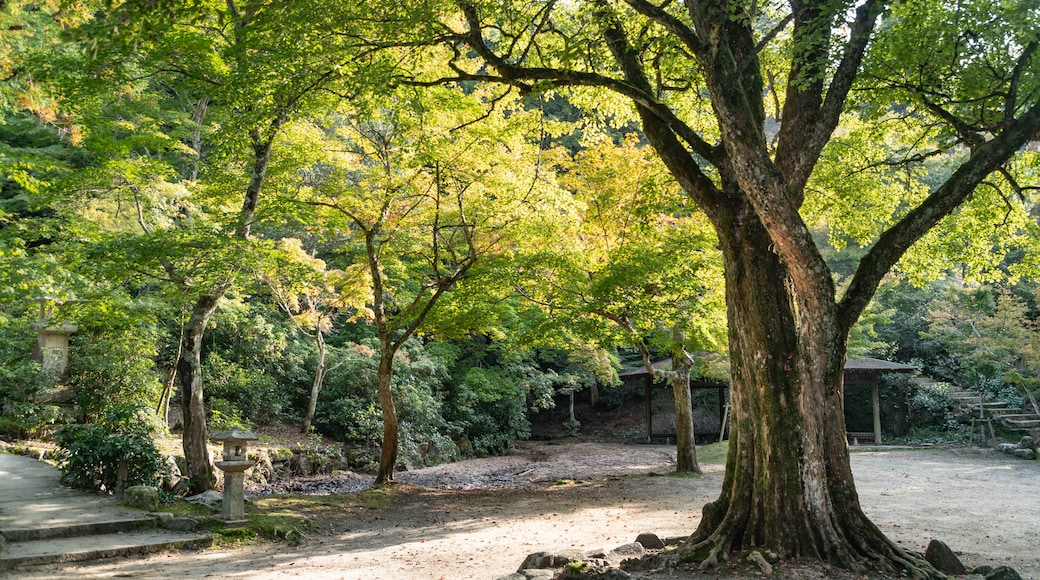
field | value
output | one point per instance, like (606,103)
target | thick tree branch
(891,245)
(1011,100)
(670,23)
(809,118)
(522,77)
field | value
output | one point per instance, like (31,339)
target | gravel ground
(547,497)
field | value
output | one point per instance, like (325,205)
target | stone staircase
(42,522)
(973,404)
(93,541)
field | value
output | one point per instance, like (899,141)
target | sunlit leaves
(869,176)
(637,260)
(972,59)
(990,333)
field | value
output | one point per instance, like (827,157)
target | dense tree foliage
(743,102)
(406,225)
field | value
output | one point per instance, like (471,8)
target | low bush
(92,456)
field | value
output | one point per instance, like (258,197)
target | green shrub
(256,395)
(28,420)
(930,406)
(90,455)
(113,366)
(348,409)
(21,380)
(224,415)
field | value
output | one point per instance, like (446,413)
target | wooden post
(876,403)
(648,387)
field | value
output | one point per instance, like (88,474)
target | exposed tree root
(884,559)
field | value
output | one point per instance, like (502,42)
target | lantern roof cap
(234,434)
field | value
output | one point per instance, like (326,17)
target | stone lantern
(235,462)
(52,343)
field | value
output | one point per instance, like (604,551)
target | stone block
(144,497)
(1003,573)
(537,560)
(650,541)
(942,557)
(1025,453)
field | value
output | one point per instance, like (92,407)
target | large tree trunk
(788,485)
(388,455)
(189,367)
(319,378)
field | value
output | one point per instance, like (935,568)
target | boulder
(209,498)
(593,573)
(564,557)
(624,552)
(537,560)
(942,557)
(650,541)
(144,497)
(530,575)
(1027,442)
(171,475)
(1003,573)
(544,560)
(162,517)
(1024,453)
(181,524)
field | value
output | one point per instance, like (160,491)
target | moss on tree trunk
(788,486)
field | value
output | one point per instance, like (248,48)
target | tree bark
(189,367)
(788,485)
(388,454)
(319,378)
(685,435)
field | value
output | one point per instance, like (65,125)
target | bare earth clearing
(983,504)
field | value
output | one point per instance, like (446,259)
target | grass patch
(377,498)
(682,474)
(714,453)
(278,518)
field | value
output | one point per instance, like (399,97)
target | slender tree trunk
(685,436)
(388,455)
(189,366)
(788,485)
(319,378)
(196,136)
(163,409)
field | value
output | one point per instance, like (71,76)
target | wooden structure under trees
(859,371)
(866,371)
(695,383)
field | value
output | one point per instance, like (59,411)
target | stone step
(1023,423)
(94,547)
(964,396)
(49,532)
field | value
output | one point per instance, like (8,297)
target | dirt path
(984,505)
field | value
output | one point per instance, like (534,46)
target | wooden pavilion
(859,371)
(866,371)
